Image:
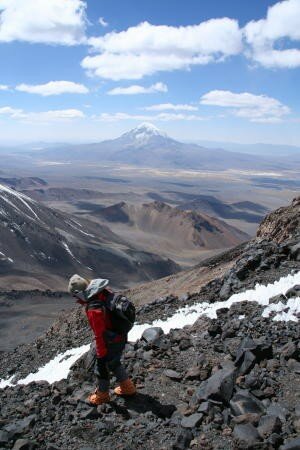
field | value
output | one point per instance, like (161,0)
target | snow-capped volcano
(147,146)
(144,134)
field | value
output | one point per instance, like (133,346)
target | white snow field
(58,368)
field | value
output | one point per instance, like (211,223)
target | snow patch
(78,229)
(21,197)
(65,245)
(284,312)
(3,257)
(58,368)
(7,382)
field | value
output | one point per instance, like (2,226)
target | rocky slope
(23,182)
(282,224)
(183,236)
(248,211)
(40,247)
(226,383)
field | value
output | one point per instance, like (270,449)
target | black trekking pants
(110,363)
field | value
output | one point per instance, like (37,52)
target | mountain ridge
(45,243)
(146,146)
(177,234)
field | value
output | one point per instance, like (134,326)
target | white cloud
(3,87)
(145,49)
(137,89)
(103,22)
(59,114)
(11,112)
(281,24)
(43,21)
(162,117)
(170,107)
(257,108)
(53,88)
(42,116)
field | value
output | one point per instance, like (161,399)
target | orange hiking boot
(126,388)
(98,398)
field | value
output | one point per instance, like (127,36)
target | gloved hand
(101,368)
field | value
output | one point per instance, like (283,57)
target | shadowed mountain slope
(180,235)
(40,247)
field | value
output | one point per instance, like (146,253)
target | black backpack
(122,312)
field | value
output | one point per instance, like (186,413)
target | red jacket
(100,322)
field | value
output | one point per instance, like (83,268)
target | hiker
(110,342)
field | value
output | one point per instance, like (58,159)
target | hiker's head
(77,284)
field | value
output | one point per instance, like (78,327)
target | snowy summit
(144,134)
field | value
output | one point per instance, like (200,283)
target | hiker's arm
(97,322)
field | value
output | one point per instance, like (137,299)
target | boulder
(274,409)
(184,344)
(214,328)
(289,350)
(294,291)
(294,444)
(151,335)
(294,365)
(277,299)
(260,348)
(204,407)
(244,403)
(225,290)
(219,387)
(246,434)
(269,425)
(192,421)
(19,427)
(248,363)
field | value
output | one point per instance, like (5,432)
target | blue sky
(75,70)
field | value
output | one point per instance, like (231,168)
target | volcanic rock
(152,335)
(246,434)
(219,386)
(294,444)
(192,421)
(268,425)
(244,403)
(294,291)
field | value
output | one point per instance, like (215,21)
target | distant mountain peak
(143,134)
(148,127)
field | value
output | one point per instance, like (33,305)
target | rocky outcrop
(282,224)
(202,394)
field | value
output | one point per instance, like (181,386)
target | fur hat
(77,284)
